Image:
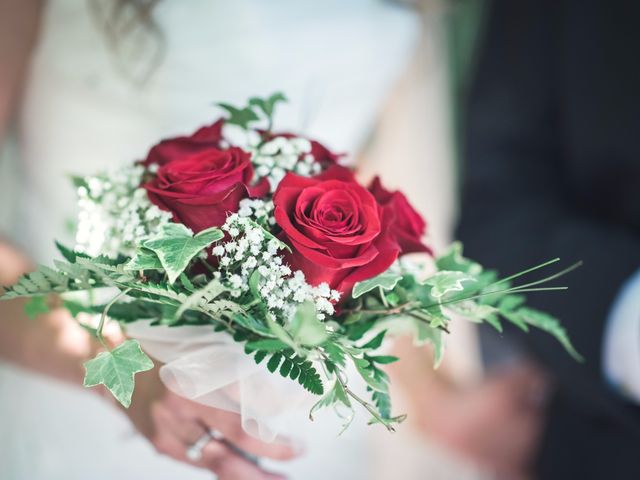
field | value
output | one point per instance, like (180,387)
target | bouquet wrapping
(262,274)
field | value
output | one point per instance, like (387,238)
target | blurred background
(510,125)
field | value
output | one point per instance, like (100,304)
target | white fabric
(334,59)
(210,368)
(621,355)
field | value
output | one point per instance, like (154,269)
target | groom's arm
(518,205)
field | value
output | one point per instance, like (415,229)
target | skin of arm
(51,344)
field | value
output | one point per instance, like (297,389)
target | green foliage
(267,105)
(434,336)
(453,260)
(239,116)
(382,401)
(67,277)
(375,342)
(336,395)
(305,328)
(445,282)
(36,306)
(258,108)
(144,259)
(266,345)
(287,364)
(385,281)
(176,246)
(549,324)
(116,369)
(384,359)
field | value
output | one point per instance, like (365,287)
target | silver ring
(194,452)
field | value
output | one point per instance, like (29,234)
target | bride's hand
(173,424)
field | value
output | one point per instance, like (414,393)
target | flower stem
(103,317)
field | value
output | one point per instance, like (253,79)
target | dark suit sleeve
(518,204)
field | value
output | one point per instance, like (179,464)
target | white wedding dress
(334,59)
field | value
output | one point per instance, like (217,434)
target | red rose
(172,148)
(201,188)
(322,154)
(407,225)
(335,228)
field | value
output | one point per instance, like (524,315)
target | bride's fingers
(188,431)
(229,425)
(229,466)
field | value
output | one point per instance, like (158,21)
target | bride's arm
(19,25)
(52,343)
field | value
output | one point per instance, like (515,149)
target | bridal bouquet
(241,253)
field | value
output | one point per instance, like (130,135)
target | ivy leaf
(435,315)
(176,246)
(144,259)
(424,334)
(305,327)
(239,116)
(36,306)
(453,260)
(385,281)
(116,370)
(446,282)
(476,312)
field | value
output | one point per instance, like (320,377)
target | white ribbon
(212,369)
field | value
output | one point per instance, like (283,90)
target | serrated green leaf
(511,302)
(335,353)
(335,395)
(375,342)
(368,374)
(295,371)
(274,362)
(384,359)
(260,356)
(69,254)
(551,325)
(116,370)
(382,402)
(385,281)
(175,246)
(270,345)
(285,368)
